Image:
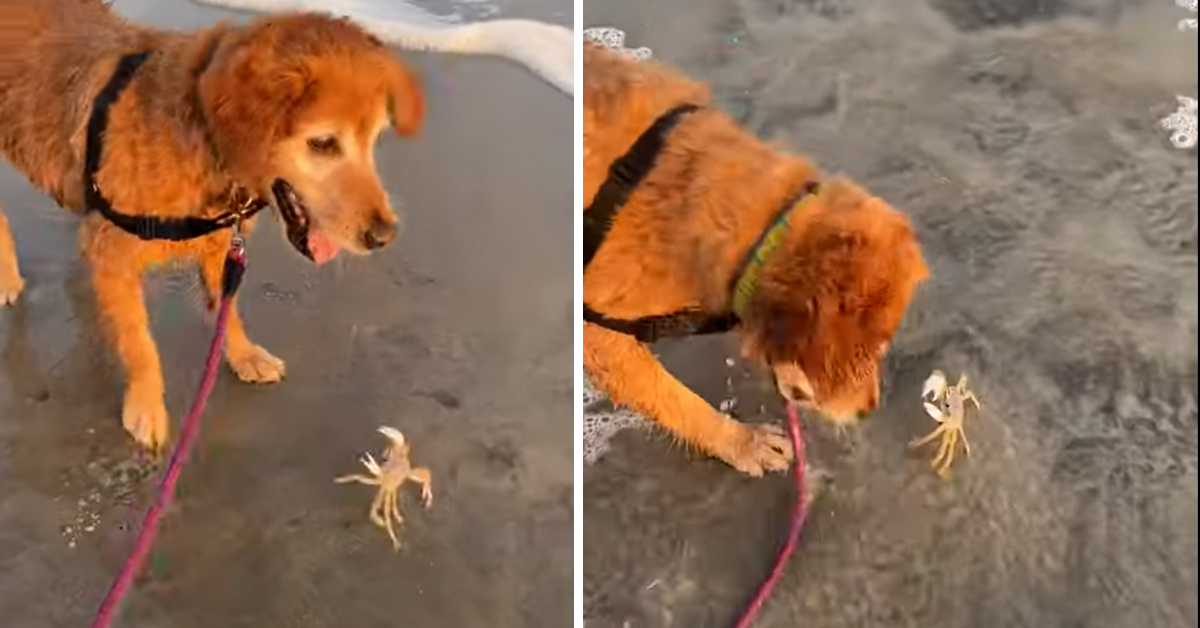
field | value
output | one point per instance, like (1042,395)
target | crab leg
(388,526)
(422,476)
(945,468)
(378,512)
(394,507)
(928,437)
(945,451)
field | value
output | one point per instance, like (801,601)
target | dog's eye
(324,145)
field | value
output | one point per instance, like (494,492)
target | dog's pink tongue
(322,248)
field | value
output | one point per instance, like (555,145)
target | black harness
(624,175)
(174,228)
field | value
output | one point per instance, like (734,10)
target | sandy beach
(1060,225)
(459,335)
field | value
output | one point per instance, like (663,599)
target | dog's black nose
(379,235)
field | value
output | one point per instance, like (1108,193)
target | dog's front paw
(256,365)
(145,418)
(10,289)
(755,449)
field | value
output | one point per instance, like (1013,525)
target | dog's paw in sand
(757,449)
(10,289)
(145,418)
(256,365)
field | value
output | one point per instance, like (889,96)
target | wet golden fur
(828,302)
(209,110)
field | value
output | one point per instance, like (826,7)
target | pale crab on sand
(390,477)
(948,406)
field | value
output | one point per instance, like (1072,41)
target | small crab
(389,477)
(947,405)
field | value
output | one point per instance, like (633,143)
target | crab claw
(935,384)
(369,462)
(392,434)
(933,411)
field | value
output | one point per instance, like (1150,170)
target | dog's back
(621,97)
(48,74)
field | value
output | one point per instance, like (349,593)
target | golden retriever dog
(285,109)
(818,309)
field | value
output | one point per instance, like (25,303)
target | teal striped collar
(747,280)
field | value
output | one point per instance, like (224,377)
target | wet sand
(1061,228)
(459,335)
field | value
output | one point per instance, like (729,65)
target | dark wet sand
(1061,228)
(459,335)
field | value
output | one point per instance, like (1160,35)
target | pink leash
(235,266)
(796,526)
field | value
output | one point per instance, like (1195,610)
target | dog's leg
(631,376)
(11,283)
(249,361)
(117,283)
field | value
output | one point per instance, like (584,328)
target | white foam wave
(1182,123)
(614,39)
(601,423)
(545,49)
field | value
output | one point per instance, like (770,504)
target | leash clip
(235,260)
(238,243)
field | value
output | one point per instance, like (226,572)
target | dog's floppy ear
(406,99)
(780,330)
(248,98)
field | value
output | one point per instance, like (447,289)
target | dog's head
(294,105)
(830,299)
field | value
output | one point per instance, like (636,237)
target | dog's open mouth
(307,239)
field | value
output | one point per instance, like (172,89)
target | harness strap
(624,175)
(174,228)
(649,329)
